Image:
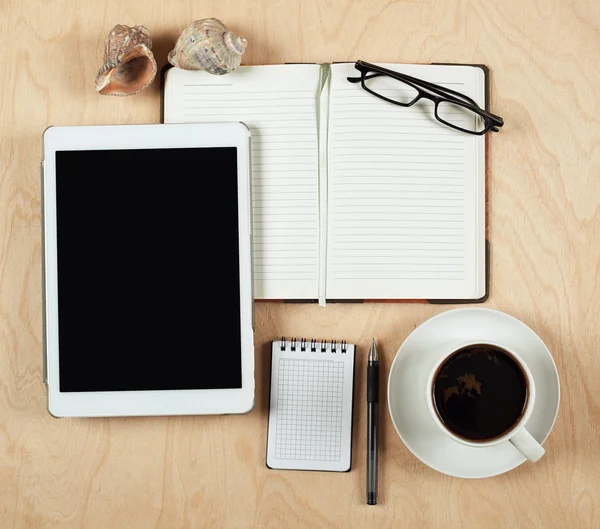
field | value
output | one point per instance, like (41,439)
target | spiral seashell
(129,65)
(208,45)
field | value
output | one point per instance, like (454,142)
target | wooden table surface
(210,471)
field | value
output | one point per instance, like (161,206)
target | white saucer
(407,389)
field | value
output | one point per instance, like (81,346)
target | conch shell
(208,45)
(129,65)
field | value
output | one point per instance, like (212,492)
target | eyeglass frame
(492,121)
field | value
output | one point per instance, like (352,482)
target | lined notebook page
(278,103)
(406,194)
(310,411)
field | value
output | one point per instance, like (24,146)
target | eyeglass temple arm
(440,90)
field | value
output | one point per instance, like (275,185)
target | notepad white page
(279,105)
(310,411)
(406,194)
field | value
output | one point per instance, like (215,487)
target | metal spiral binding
(336,346)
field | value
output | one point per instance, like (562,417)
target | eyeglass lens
(396,91)
(391,89)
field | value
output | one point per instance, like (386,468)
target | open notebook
(353,198)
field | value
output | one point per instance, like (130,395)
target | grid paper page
(406,196)
(310,415)
(278,104)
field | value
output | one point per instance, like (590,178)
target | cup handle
(524,442)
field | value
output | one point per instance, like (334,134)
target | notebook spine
(313,345)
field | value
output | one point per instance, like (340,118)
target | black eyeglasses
(451,108)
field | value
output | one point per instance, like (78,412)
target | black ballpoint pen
(372,412)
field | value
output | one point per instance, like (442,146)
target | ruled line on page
(250,102)
(421,132)
(291,263)
(352,88)
(351,230)
(399,158)
(390,147)
(385,200)
(282,142)
(431,214)
(259,150)
(251,115)
(395,204)
(282,159)
(418,257)
(293,276)
(420,250)
(403,245)
(268,175)
(242,93)
(261,240)
(369,251)
(380,241)
(293,162)
(292,187)
(254,110)
(416,197)
(386,277)
(277,253)
(282,263)
(372,114)
(375,134)
(389,185)
(399,208)
(429,174)
(368,227)
(399,259)
(398,267)
(375,108)
(398,187)
(413,124)
(253,120)
(278,258)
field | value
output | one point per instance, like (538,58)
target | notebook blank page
(310,413)
(406,194)
(278,103)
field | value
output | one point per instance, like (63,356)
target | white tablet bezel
(146,403)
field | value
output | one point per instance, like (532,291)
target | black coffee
(480,392)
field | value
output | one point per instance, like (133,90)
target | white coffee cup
(517,434)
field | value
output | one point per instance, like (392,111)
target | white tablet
(147,266)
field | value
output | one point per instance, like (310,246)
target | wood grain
(210,471)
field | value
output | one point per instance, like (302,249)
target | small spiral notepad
(310,411)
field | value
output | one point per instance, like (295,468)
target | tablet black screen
(148,269)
